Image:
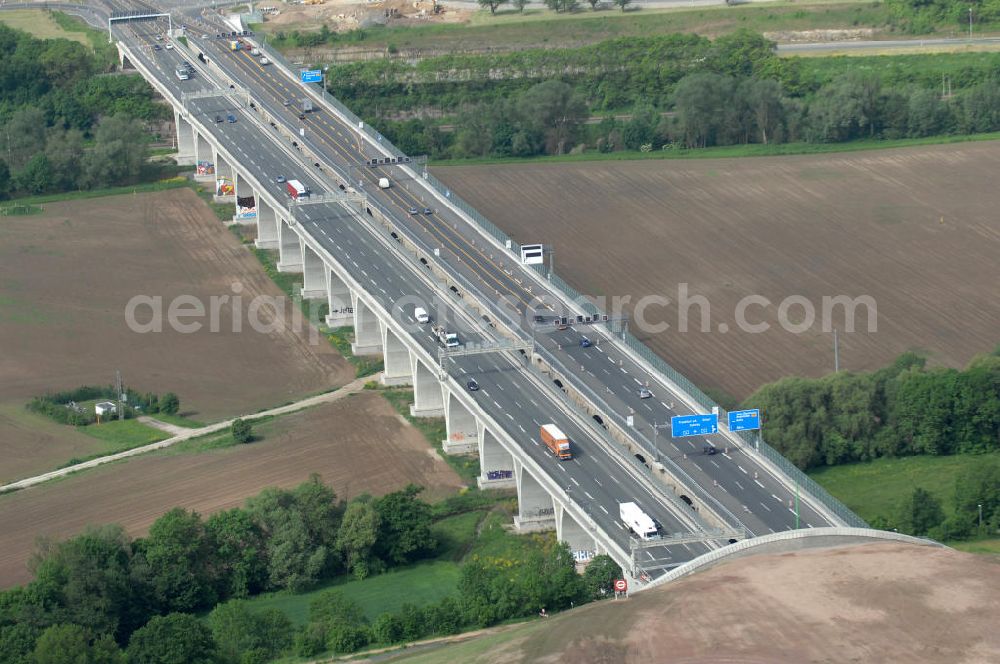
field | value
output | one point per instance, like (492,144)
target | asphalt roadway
(736,479)
(595,478)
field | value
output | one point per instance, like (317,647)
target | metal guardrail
(805,483)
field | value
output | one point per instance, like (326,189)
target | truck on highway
(295,189)
(556,441)
(307,105)
(638,522)
(445,338)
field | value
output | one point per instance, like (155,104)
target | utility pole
(119,393)
(796,506)
(656,438)
(970,23)
(836,353)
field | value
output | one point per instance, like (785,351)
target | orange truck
(556,441)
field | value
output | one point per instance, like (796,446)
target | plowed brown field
(65,279)
(916,229)
(358,444)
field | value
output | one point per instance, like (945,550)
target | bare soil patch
(358,444)
(66,277)
(868,603)
(914,228)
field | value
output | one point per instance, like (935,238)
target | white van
(421,315)
(383,183)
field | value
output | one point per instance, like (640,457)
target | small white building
(105,408)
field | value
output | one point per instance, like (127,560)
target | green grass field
(121,435)
(509,29)
(41,24)
(423,583)
(177,420)
(989,547)
(877,487)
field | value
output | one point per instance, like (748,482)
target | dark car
(279,179)
(231,118)
(302,116)
(156,47)
(709,449)
(472,385)
(585,342)
(538,319)
(428,211)
(218,118)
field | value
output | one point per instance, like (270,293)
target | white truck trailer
(638,522)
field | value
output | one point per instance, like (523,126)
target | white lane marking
(604,510)
(588,495)
(573,480)
(521,428)
(741,468)
(739,485)
(563,468)
(598,482)
(599,350)
(765,507)
(757,482)
(510,416)
(776,498)
(500,386)
(497,405)
(614,479)
(714,464)
(622,369)
(485,392)
(637,381)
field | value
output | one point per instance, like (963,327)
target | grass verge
(877,488)
(119,436)
(142,188)
(989,547)
(177,420)
(730,151)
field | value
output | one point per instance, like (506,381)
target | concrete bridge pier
(338,300)
(223,169)
(267,227)
(461,426)
(243,189)
(496,464)
(186,149)
(313,282)
(397,359)
(570,531)
(428,393)
(536,509)
(203,152)
(289,249)
(367,330)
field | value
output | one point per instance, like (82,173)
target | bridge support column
(186,149)
(267,227)
(246,212)
(496,465)
(428,393)
(338,300)
(313,283)
(204,155)
(367,331)
(461,426)
(223,168)
(397,359)
(535,508)
(289,251)
(581,542)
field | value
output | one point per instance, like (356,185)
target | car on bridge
(585,342)
(280,179)
(472,385)
(644,393)
(414,210)
(428,211)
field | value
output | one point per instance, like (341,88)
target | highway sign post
(744,420)
(693,425)
(310,75)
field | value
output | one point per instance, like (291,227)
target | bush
(346,638)
(170,404)
(241,431)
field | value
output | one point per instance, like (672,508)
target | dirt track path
(187,434)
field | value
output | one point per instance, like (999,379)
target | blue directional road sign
(693,425)
(311,75)
(744,420)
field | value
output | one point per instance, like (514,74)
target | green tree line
(679,90)
(105,597)
(903,409)
(65,121)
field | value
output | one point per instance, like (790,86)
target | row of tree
(901,410)
(103,597)
(63,406)
(64,123)
(682,91)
